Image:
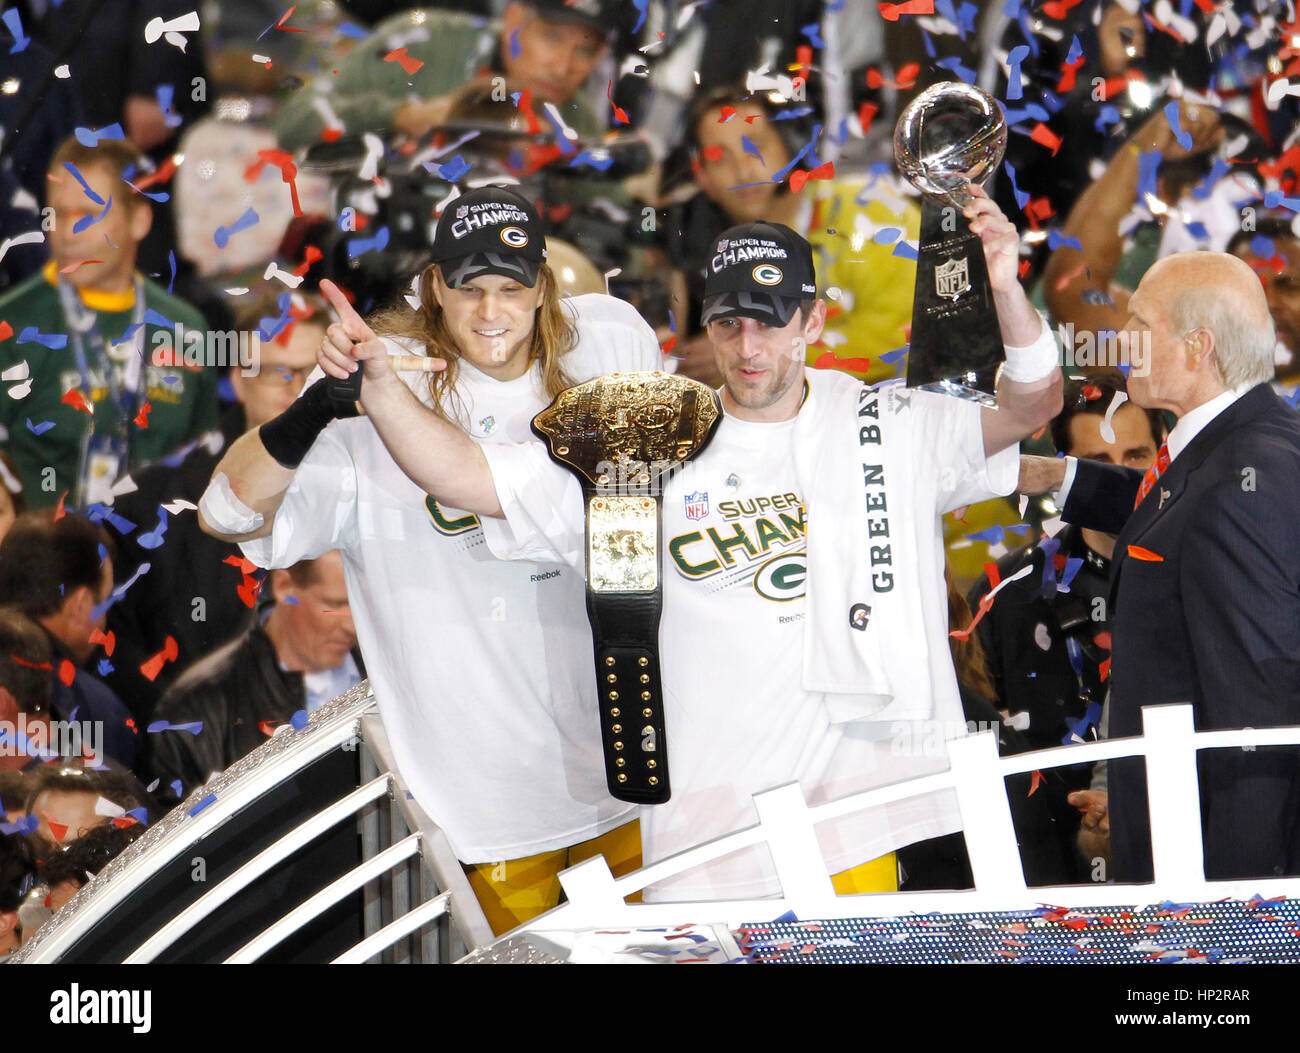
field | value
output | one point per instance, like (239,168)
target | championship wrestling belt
(622,435)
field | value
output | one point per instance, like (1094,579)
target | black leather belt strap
(622,436)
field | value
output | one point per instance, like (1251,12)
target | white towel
(894,664)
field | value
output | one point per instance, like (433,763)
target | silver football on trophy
(947,135)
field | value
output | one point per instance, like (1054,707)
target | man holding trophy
(798,558)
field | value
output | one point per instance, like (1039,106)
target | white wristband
(225,511)
(1039,360)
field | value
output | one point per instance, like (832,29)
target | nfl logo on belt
(697,505)
(950,278)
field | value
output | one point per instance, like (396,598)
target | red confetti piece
(267,727)
(1091,392)
(1035,781)
(108,639)
(150,668)
(73,266)
(142,418)
(6,331)
(713,153)
(1044,136)
(309,257)
(866,114)
(30,665)
(1065,280)
(1104,670)
(827,360)
(799,177)
(1057,8)
(164,172)
(1144,554)
(620,114)
(526,108)
(74,398)
(726,114)
(245,566)
(59,510)
(892,12)
(288,172)
(67,672)
(1102,640)
(59,830)
(1023,268)
(409,65)
(1070,71)
(668,344)
(248,591)
(331,135)
(123,821)
(993,574)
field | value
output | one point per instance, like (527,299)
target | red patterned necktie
(1153,473)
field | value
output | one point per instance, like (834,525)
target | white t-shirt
(482,669)
(738,720)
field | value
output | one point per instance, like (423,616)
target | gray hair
(1244,338)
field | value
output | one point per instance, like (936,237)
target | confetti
(151,667)
(892,12)
(90,137)
(409,65)
(204,803)
(1144,554)
(223,234)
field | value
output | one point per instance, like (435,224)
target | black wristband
(289,436)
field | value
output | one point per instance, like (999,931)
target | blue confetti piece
(1076,51)
(153,317)
(222,235)
(171,259)
(104,668)
(90,137)
(90,221)
(591,161)
(28,824)
(904,251)
(789,915)
(1031,109)
(1109,115)
(1124,368)
(1029,30)
(175,784)
(966,18)
(454,170)
(1072,566)
(355,32)
(39,429)
(32,335)
(641,6)
(887,235)
(1262,247)
(1171,115)
(360,246)
(1054,103)
(98,513)
(99,610)
(561,139)
(1056,239)
(792,113)
(1017,55)
(1217,171)
(84,185)
(1197,230)
(515,96)
(954,64)
(165,94)
(1274,198)
(15,23)
(154,539)
(209,799)
(140,815)
(1148,163)
(291,600)
(991,535)
(812,32)
(1019,528)
(803,150)
(515,46)
(748,146)
(1021,196)
(890,357)
(299,719)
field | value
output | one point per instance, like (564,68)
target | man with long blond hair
(482,668)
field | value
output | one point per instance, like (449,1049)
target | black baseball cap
(758,270)
(598,14)
(489,230)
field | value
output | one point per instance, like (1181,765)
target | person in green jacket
(95,377)
(405,77)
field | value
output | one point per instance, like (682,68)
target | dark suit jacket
(1213,619)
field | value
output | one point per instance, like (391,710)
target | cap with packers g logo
(760,271)
(489,230)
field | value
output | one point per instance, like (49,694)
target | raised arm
(435,454)
(1029,392)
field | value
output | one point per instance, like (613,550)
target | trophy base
(956,345)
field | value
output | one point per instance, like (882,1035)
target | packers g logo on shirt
(514,237)
(782,578)
(767,274)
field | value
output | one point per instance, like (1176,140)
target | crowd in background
(170,170)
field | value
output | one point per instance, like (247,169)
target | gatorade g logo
(782,578)
(766,274)
(859,615)
(514,237)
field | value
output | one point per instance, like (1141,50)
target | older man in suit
(1205,583)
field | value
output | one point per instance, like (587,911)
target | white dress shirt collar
(1195,421)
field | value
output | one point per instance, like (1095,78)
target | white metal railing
(418,904)
(976,773)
